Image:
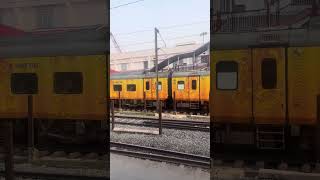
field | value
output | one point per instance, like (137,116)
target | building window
(124,67)
(68,83)
(131,87)
(45,16)
(24,83)
(269,73)
(145,65)
(117,87)
(159,86)
(194,84)
(180,85)
(227,75)
(147,85)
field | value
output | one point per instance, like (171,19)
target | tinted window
(194,84)
(269,73)
(131,87)
(159,86)
(24,83)
(117,87)
(68,83)
(147,85)
(227,75)
(180,85)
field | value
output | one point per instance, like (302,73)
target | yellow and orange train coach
(188,90)
(267,93)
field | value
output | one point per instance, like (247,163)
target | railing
(251,21)
(302,2)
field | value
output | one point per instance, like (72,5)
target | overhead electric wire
(163,27)
(165,45)
(126,4)
(168,39)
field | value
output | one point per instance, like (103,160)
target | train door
(269,99)
(147,88)
(194,93)
(231,93)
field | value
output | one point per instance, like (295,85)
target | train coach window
(147,85)
(227,75)
(269,73)
(117,87)
(159,86)
(68,82)
(180,85)
(194,84)
(24,83)
(131,87)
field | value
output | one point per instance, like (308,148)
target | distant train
(183,90)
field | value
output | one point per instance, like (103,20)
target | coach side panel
(65,87)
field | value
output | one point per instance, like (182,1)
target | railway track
(160,155)
(53,176)
(166,123)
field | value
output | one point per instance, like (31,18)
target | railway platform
(138,169)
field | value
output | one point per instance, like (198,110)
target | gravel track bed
(169,116)
(193,142)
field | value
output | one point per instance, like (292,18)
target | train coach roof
(265,38)
(76,42)
(137,75)
(191,73)
(154,75)
(127,75)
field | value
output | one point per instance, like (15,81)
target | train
(61,76)
(181,91)
(266,91)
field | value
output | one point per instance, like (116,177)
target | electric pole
(156,31)
(203,34)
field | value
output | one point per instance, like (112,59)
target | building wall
(227,5)
(134,61)
(29,15)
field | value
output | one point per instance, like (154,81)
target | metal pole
(9,174)
(160,118)
(157,82)
(194,60)
(174,103)
(30,128)
(119,101)
(145,101)
(112,114)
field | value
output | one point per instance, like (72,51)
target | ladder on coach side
(270,138)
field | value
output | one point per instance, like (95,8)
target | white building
(145,59)
(30,15)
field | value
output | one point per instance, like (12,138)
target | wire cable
(126,4)
(162,27)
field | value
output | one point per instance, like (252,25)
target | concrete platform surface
(123,167)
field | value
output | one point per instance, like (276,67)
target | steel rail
(160,155)
(166,125)
(164,119)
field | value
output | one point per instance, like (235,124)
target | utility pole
(156,31)
(203,34)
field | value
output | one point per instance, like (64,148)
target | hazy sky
(179,21)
